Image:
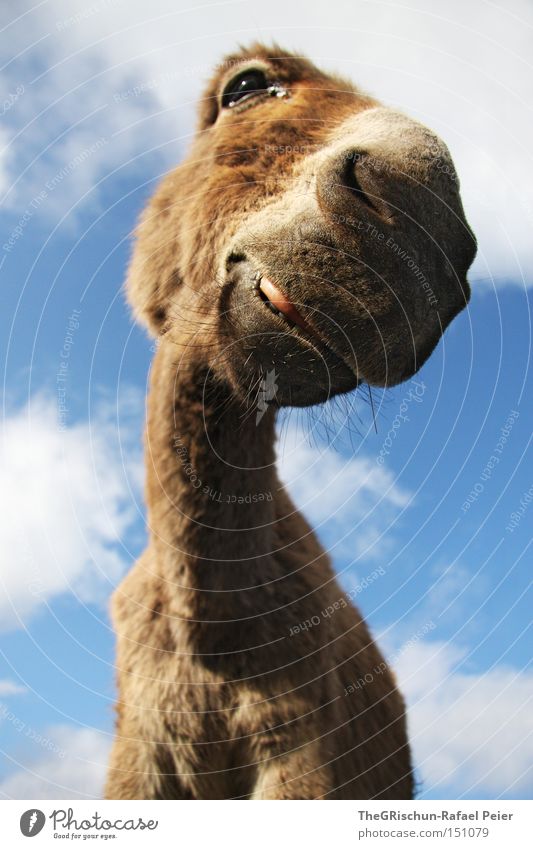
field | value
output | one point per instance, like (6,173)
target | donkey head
(310,231)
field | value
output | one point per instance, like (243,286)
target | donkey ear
(153,274)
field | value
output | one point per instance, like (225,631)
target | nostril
(353,166)
(357,178)
(233,258)
(351,182)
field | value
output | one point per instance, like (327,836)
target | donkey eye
(246,85)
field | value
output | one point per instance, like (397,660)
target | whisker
(372,405)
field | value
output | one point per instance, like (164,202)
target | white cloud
(4,161)
(471,733)
(67,502)
(351,502)
(76,768)
(464,69)
(10,688)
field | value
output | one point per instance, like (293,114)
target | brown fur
(219,695)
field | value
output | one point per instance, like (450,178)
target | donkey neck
(211,479)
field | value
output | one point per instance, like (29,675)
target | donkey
(312,241)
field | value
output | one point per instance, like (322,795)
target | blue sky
(432,535)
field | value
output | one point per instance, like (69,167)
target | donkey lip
(282,304)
